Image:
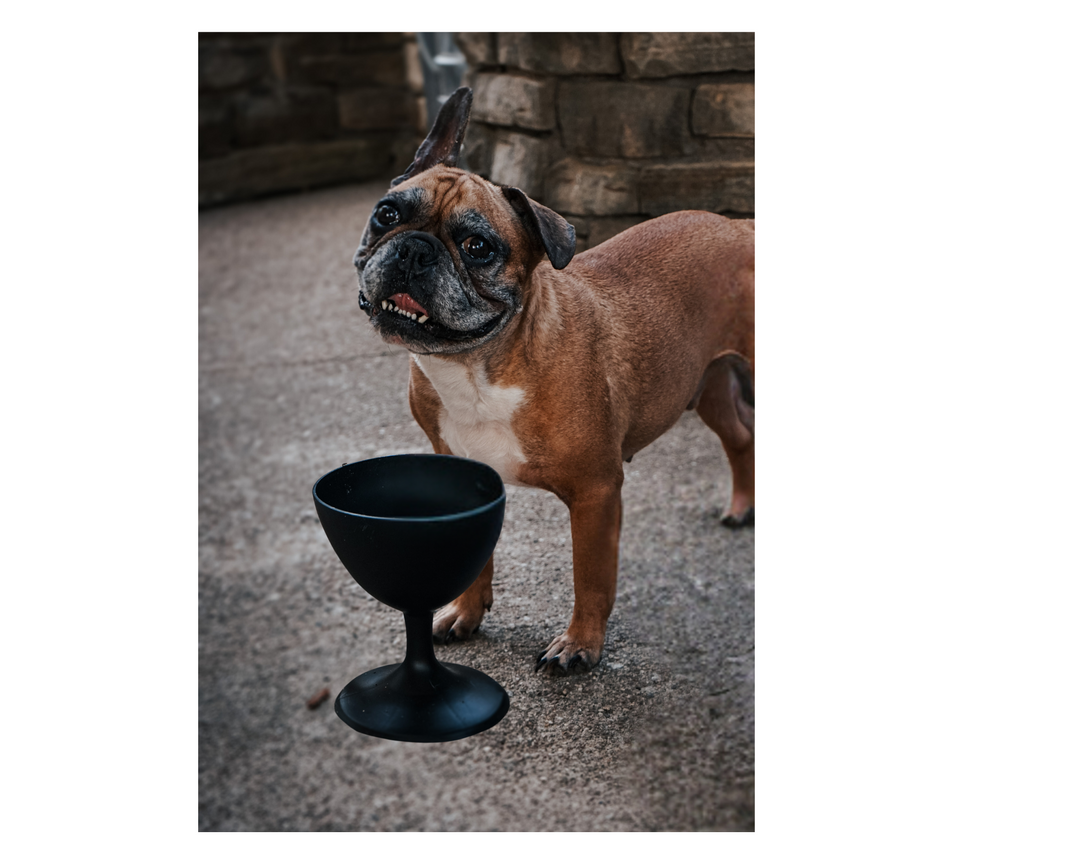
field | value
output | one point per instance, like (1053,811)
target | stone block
(278,117)
(479,148)
(519,160)
(215,125)
(720,187)
(514,100)
(658,55)
(289,167)
(359,42)
(723,110)
(294,45)
(373,68)
(376,108)
(573,186)
(414,67)
(723,150)
(224,68)
(561,53)
(478,48)
(625,119)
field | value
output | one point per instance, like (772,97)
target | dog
(556,368)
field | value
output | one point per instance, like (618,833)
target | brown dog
(555,371)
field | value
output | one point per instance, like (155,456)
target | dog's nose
(418,251)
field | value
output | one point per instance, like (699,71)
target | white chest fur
(476,415)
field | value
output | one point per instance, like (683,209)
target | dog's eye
(478,248)
(387,216)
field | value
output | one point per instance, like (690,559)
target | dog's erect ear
(443,143)
(555,234)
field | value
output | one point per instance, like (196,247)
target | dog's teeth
(413,316)
(384,304)
(422,319)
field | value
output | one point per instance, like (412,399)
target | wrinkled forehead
(454,199)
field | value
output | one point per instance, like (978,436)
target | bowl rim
(464,514)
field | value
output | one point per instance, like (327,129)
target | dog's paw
(733,520)
(455,623)
(566,655)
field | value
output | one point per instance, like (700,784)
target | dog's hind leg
(725,401)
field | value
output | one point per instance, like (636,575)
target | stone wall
(610,129)
(282,112)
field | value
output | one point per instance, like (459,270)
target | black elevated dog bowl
(415,531)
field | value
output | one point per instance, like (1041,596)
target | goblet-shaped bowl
(415,531)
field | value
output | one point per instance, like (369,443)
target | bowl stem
(420,666)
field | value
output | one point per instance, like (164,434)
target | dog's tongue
(407,304)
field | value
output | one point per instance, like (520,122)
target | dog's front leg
(461,618)
(595,520)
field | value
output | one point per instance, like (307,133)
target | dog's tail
(735,369)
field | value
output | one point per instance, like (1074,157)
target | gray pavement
(292,383)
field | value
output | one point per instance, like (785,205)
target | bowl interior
(411,487)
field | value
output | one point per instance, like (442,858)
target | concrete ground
(292,383)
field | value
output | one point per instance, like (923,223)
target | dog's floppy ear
(443,143)
(555,234)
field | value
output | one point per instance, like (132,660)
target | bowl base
(451,702)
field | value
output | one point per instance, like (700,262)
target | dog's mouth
(404,305)
(402,315)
